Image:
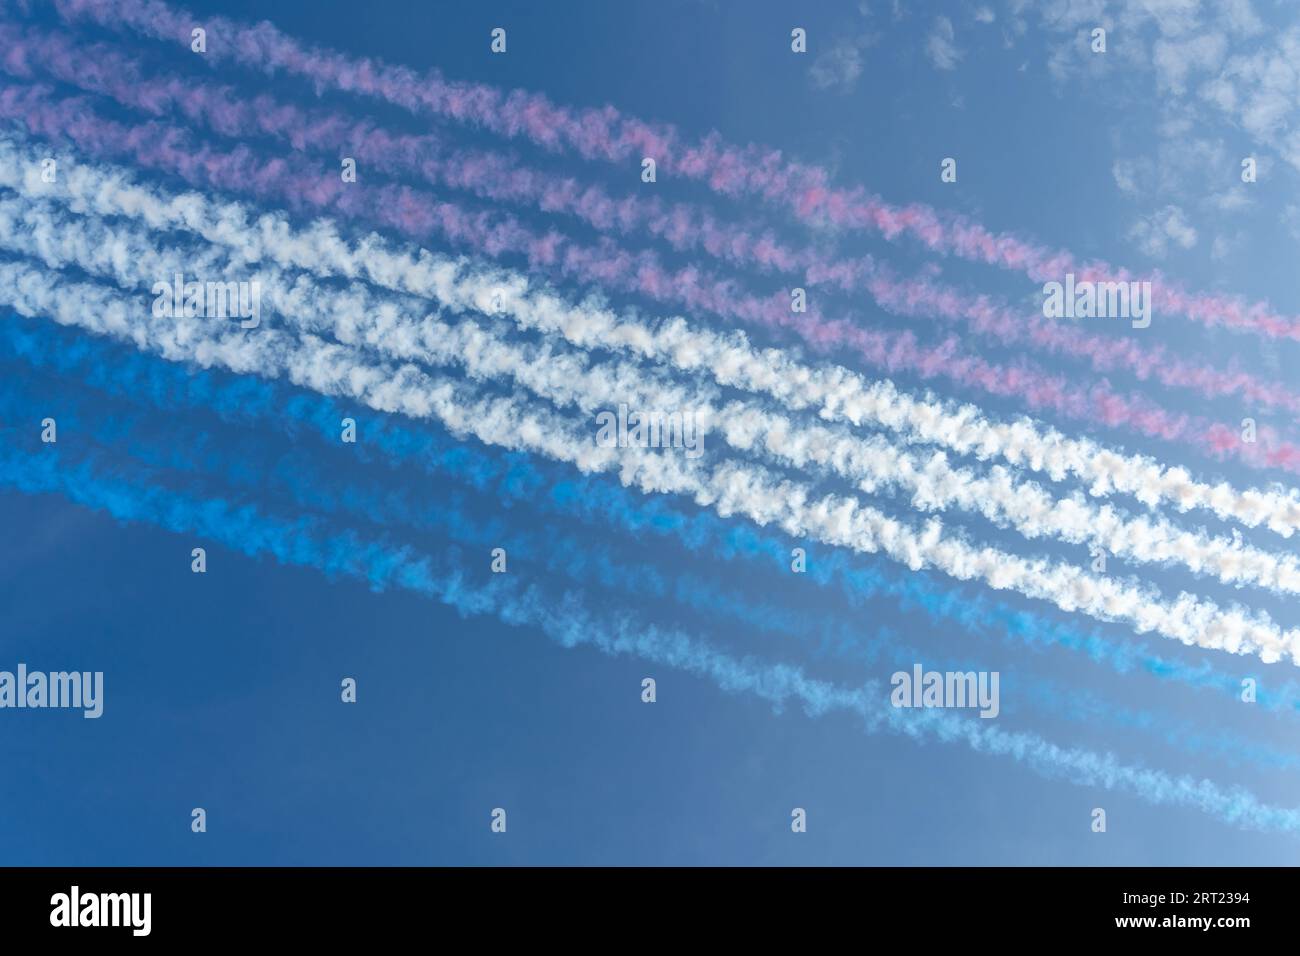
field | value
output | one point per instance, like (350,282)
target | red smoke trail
(606,134)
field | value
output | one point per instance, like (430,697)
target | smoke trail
(835,393)
(730,488)
(304,542)
(101,69)
(921,295)
(607,135)
(1076,704)
(120,371)
(241,464)
(246,466)
(307,542)
(391,326)
(419,216)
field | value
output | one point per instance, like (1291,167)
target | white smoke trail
(834,392)
(396,327)
(730,488)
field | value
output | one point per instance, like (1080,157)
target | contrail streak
(391,326)
(523,480)
(307,543)
(835,393)
(730,488)
(102,69)
(605,134)
(420,216)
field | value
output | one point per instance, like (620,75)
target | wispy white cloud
(839,67)
(1229,200)
(1129,175)
(1154,234)
(1224,246)
(941,45)
(1176,61)
(1218,54)
(839,64)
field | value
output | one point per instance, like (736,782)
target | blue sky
(222,689)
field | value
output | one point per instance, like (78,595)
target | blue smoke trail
(514,477)
(309,542)
(244,462)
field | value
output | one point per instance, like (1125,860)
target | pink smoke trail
(418,215)
(923,296)
(98,68)
(101,69)
(606,134)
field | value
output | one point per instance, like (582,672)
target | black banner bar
(333,905)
